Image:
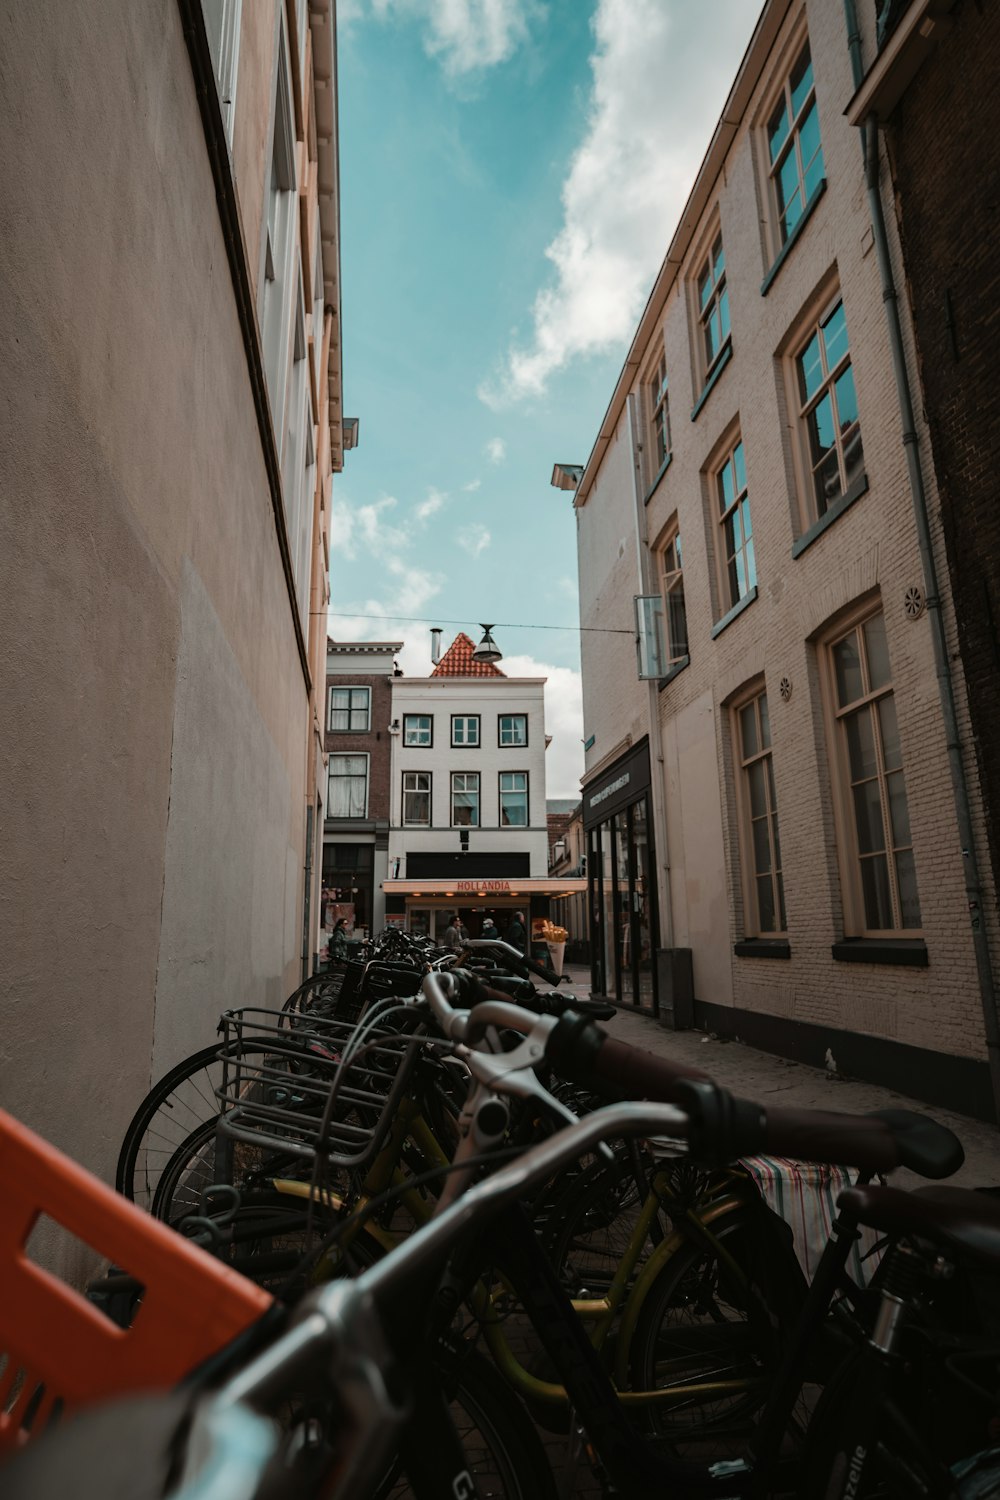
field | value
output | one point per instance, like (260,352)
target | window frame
(782,97)
(223,26)
(349,688)
(816,318)
(503,744)
(670,581)
(708,366)
(469,775)
(513,791)
(656,409)
(849,854)
(279,226)
(347,755)
(723,512)
(467,719)
(406,791)
(427,744)
(750,875)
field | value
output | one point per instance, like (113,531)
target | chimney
(435,645)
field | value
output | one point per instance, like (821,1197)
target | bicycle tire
(590,1224)
(175,1109)
(698,1324)
(504,1451)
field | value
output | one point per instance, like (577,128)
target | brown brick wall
(377,743)
(945,154)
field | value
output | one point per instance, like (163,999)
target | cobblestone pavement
(777,1080)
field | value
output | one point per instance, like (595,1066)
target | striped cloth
(804,1194)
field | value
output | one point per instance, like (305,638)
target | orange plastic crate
(52,1336)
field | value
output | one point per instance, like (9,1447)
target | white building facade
(467,800)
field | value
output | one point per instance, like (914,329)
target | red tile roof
(457,661)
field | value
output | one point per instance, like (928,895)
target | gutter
(918,492)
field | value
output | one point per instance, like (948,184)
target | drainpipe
(307,901)
(656,777)
(946,687)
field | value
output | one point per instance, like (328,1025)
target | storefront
(426,906)
(617,818)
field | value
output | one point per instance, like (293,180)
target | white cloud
(563,721)
(467,35)
(474,539)
(660,77)
(496,450)
(472,486)
(430,507)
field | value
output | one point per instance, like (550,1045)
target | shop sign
(610,789)
(482,885)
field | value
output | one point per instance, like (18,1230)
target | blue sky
(511,173)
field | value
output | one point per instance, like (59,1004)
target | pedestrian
(337,946)
(517,933)
(452,937)
(490,928)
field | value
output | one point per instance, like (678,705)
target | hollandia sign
(497,886)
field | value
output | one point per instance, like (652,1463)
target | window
(761,848)
(672,581)
(347,792)
(280,279)
(713,307)
(417,797)
(737,565)
(418,729)
(222,26)
(513,729)
(881,893)
(828,412)
(513,799)
(465,729)
(658,416)
(794,153)
(465,799)
(350,710)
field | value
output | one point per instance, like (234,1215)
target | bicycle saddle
(924,1146)
(957,1218)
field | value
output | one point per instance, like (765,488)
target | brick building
(750,482)
(359,678)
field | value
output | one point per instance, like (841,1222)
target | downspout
(656,770)
(946,689)
(307,901)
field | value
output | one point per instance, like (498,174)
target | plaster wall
(155,704)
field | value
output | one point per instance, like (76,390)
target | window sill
(902,951)
(655,484)
(763,948)
(675,671)
(836,510)
(737,609)
(792,239)
(720,364)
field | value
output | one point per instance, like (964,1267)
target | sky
(511,174)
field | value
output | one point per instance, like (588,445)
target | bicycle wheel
(591,1227)
(709,1329)
(173,1128)
(503,1450)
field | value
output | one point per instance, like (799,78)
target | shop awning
(515,887)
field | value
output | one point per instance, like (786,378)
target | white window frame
(732,513)
(332,774)
(466,719)
(814,507)
(223,20)
(417,790)
(514,791)
(746,759)
(513,744)
(791,145)
(670,565)
(467,777)
(280,220)
(418,744)
(714,279)
(350,710)
(657,417)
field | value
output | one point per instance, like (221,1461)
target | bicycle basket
(276,1096)
(57,1350)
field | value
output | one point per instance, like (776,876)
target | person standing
(517,933)
(337,948)
(452,937)
(489,928)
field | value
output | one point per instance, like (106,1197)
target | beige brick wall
(870,550)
